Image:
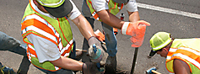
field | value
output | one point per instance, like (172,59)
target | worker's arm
(80,21)
(134,16)
(68,63)
(110,19)
(84,26)
(180,67)
(87,31)
(132,10)
(113,21)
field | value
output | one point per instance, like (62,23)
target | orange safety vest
(58,31)
(189,53)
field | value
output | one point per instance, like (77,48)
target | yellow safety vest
(56,30)
(114,8)
(187,50)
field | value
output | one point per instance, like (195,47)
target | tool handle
(156,72)
(134,60)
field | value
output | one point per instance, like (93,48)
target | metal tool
(101,69)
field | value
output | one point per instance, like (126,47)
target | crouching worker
(182,55)
(50,44)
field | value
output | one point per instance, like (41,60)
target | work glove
(96,53)
(99,35)
(115,30)
(90,68)
(136,30)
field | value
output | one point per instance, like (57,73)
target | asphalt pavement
(179,25)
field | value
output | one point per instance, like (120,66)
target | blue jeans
(8,43)
(11,44)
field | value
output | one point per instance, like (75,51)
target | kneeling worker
(182,55)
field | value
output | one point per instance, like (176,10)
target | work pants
(11,44)
(8,43)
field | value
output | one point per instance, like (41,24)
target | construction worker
(182,55)
(8,43)
(105,11)
(50,43)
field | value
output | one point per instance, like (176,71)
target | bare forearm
(134,16)
(68,63)
(84,26)
(110,19)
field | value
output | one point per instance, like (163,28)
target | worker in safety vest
(8,43)
(182,55)
(105,11)
(50,43)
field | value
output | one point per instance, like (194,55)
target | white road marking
(167,10)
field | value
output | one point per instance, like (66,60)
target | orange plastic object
(137,31)
(99,35)
(115,31)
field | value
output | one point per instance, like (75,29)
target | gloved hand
(98,56)
(93,40)
(136,30)
(90,68)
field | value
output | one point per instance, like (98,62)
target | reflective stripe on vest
(188,55)
(57,31)
(114,8)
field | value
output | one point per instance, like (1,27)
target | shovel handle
(134,60)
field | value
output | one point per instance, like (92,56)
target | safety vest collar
(36,9)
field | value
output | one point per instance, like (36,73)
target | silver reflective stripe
(194,62)
(188,49)
(124,27)
(67,46)
(39,30)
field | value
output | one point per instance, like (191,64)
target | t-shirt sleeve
(75,12)
(99,5)
(45,49)
(131,6)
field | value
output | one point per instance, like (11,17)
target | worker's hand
(136,30)
(93,40)
(90,68)
(99,55)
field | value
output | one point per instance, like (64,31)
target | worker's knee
(7,42)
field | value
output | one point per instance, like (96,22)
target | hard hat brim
(152,53)
(61,11)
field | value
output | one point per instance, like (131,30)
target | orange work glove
(136,30)
(115,31)
(99,35)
